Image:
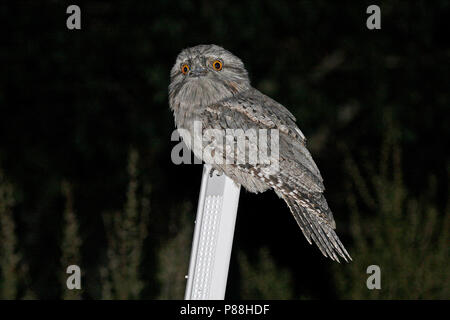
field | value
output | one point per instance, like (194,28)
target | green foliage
(264,279)
(405,235)
(127,230)
(70,244)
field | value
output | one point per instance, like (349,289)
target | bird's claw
(211,172)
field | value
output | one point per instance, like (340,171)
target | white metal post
(213,237)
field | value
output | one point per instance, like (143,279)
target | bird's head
(205,74)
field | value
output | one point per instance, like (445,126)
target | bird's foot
(211,172)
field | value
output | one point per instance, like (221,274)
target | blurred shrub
(126,231)
(9,257)
(404,235)
(174,256)
(14,279)
(71,243)
(264,279)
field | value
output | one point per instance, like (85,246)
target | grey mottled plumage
(225,99)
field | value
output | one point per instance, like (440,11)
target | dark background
(73,103)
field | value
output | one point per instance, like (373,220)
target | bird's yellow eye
(217,65)
(184,68)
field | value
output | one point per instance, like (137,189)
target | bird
(211,86)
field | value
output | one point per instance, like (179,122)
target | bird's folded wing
(254,110)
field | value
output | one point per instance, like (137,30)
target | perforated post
(213,237)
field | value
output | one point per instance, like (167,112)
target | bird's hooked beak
(198,72)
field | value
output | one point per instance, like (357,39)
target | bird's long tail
(312,214)
(315,226)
